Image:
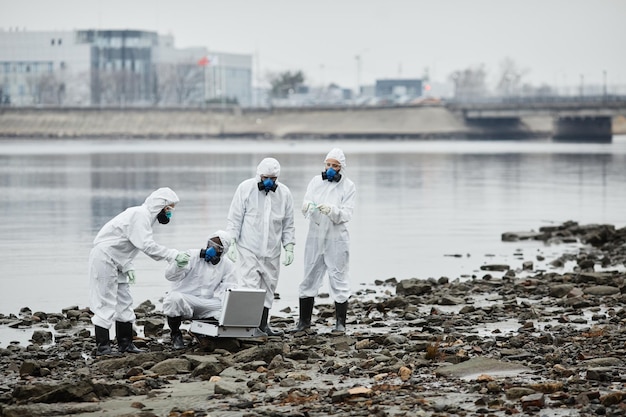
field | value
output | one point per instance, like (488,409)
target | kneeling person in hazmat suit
(199,288)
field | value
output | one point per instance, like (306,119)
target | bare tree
(180,84)
(46,89)
(469,83)
(511,77)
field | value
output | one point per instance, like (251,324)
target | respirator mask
(267,185)
(331,175)
(212,253)
(164,216)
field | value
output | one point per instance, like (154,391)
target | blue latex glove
(131,276)
(232,251)
(288,254)
(182,259)
(324,208)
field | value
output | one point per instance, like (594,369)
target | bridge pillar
(583,129)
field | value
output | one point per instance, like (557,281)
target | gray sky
(557,41)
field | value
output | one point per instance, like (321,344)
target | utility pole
(359,62)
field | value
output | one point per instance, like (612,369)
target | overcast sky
(557,41)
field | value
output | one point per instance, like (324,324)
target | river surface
(423,208)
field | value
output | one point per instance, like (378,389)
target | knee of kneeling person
(170,302)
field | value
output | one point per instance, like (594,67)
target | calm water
(417,203)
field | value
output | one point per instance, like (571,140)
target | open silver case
(240,317)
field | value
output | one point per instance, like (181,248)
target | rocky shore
(506,341)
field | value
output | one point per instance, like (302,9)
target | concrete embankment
(422,122)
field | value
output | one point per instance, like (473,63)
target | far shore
(428,122)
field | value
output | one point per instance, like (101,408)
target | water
(417,203)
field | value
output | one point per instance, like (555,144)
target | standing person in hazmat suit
(111,266)
(260,220)
(199,288)
(328,205)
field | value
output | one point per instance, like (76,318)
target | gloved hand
(288,254)
(232,251)
(324,208)
(307,206)
(131,276)
(182,259)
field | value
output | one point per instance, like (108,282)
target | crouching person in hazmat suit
(111,266)
(328,205)
(199,288)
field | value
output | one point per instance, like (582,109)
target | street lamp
(582,85)
(604,83)
(358,74)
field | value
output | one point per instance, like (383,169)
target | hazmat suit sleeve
(342,212)
(175,273)
(235,214)
(289,228)
(140,235)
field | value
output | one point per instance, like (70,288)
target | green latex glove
(182,259)
(131,276)
(288,254)
(232,251)
(307,207)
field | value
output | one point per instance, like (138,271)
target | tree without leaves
(470,82)
(511,77)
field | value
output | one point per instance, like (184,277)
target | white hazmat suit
(261,222)
(198,289)
(327,247)
(115,246)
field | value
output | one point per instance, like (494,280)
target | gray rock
(172,366)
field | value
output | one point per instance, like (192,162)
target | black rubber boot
(265,328)
(175,334)
(341,311)
(124,332)
(103,342)
(306,311)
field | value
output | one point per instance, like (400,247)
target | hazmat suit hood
(269,167)
(224,237)
(337,154)
(159,199)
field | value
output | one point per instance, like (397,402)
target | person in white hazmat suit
(111,266)
(260,220)
(199,288)
(328,205)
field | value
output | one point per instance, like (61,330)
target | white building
(43,67)
(117,68)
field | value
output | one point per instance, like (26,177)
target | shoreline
(418,122)
(410,122)
(507,342)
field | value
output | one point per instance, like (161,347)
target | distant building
(117,68)
(394,89)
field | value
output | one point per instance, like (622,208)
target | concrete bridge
(574,118)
